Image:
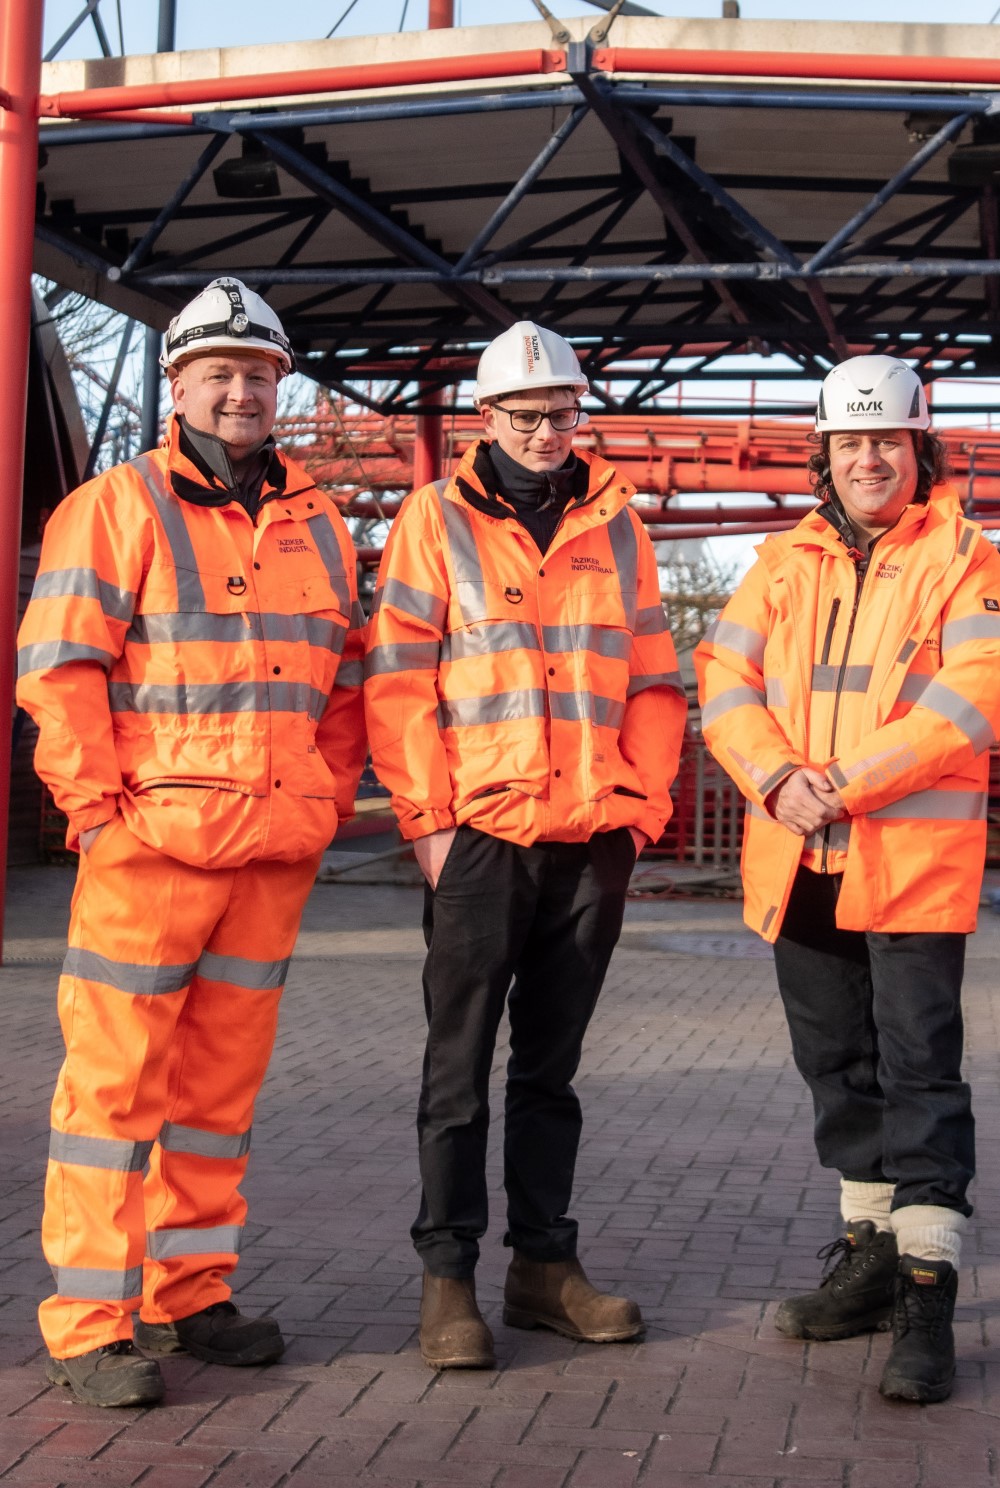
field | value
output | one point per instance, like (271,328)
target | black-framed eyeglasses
(527,420)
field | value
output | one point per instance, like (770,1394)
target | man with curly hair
(851,687)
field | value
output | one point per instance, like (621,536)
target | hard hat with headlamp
(871,392)
(524,358)
(226,317)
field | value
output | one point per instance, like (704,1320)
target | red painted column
(20,85)
(428,439)
(440,14)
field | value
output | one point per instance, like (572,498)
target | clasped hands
(805,802)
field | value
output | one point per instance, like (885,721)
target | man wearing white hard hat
(192,655)
(525,710)
(851,687)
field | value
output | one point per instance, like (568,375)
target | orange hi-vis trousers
(169,1004)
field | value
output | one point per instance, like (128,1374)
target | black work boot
(855,1295)
(921,1363)
(113,1374)
(219,1334)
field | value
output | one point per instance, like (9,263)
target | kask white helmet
(226,316)
(523,358)
(871,392)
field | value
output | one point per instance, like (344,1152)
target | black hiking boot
(856,1293)
(219,1334)
(921,1363)
(112,1375)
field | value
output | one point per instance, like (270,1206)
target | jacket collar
(194,469)
(476,482)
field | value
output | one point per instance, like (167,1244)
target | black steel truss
(635,289)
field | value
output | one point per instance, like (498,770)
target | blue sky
(201,25)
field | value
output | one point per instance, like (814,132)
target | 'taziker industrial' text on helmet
(871,392)
(526,357)
(226,316)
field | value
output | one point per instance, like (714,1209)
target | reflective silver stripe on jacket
(246,625)
(914,686)
(325,538)
(490,639)
(673,680)
(112,1153)
(972,628)
(625,547)
(163,1245)
(774,692)
(936,805)
(739,639)
(958,710)
(499,707)
(83,583)
(600,639)
(93,1284)
(838,839)
(405,656)
(855,678)
(734,697)
(419,604)
(127,976)
(258,976)
(650,620)
(190,594)
(349,674)
(470,588)
(198,1143)
(44,655)
(216,697)
(579,707)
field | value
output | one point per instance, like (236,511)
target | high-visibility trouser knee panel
(168,1003)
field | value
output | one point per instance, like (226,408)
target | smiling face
(545,449)
(875,476)
(234,397)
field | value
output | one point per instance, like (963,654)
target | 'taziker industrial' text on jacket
(532,697)
(196,671)
(890,682)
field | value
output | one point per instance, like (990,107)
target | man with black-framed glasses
(526,711)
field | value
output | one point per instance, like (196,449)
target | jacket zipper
(860,574)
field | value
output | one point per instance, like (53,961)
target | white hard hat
(526,357)
(226,316)
(871,392)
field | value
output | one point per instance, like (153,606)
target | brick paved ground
(698,1191)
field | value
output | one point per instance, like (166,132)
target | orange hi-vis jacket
(889,681)
(530,696)
(197,671)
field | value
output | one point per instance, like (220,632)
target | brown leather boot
(452,1332)
(557,1295)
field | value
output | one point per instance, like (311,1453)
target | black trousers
(548,917)
(876,1027)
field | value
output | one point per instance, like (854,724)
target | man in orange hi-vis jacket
(192,656)
(851,687)
(525,709)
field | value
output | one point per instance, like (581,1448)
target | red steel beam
(251,86)
(20,77)
(428,441)
(845,66)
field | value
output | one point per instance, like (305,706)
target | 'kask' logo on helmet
(873,405)
(532,352)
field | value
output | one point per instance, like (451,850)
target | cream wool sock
(929,1232)
(866,1201)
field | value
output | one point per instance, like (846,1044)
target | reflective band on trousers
(935,805)
(84,583)
(127,976)
(111,1153)
(163,1245)
(198,1143)
(258,976)
(93,1284)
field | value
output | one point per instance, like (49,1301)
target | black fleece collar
(210,458)
(572,481)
